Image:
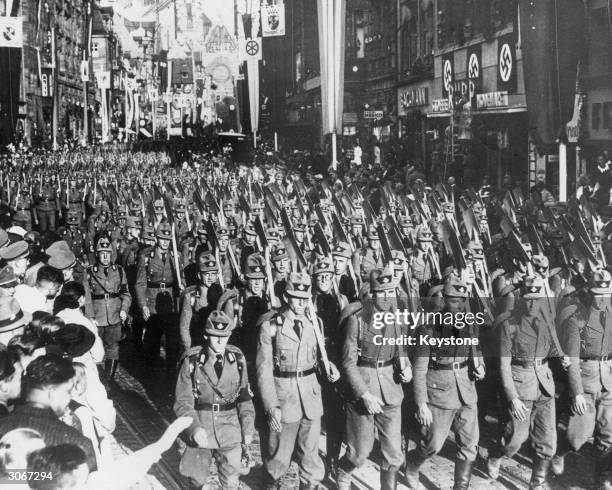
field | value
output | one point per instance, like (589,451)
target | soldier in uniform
(357,224)
(47,205)
(213,389)
(371,257)
(370,369)
(328,305)
(22,207)
(225,263)
(347,284)
(199,301)
(280,270)
(192,249)
(287,358)
(247,244)
(424,271)
(107,302)
(527,342)
(586,337)
(74,237)
(73,200)
(157,287)
(445,392)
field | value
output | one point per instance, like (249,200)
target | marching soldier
(287,358)
(421,261)
(22,206)
(225,263)
(328,305)
(527,344)
(445,391)
(369,369)
(371,257)
(47,205)
(199,301)
(347,283)
(157,287)
(73,200)
(107,302)
(280,270)
(213,389)
(586,337)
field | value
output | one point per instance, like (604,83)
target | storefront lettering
(440,105)
(414,97)
(492,99)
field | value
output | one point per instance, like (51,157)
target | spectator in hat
(40,297)
(8,281)
(12,319)
(16,256)
(69,307)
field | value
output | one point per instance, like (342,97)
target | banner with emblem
(474,71)
(448,74)
(506,63)
(251,49)
(11,32)
(273,20)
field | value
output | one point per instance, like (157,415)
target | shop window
(607,108)
(595,116)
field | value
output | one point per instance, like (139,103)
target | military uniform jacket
(422,269)
(198,303)
(227,272)
(47,198)
(106,294)
(279,349)
(526,339)
(75,201)
(360,345)
(155,281)
(370,259)
(586,337)
(23,207)
(198,388)
(444,388)
(76,240)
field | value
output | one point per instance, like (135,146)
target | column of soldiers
(262,294)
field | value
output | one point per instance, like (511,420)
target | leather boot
(108,367)
(388,479)
(343,480)
(603,478)
(463,474)
(557,465)
(493,465)
(539,473)
(412,472)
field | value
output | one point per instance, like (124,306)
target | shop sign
(414,97)
(440,105)
(372,114)
(492,99)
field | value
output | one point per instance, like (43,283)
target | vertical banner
(273,20)
(506,63)
(253,78)
(474,71)
(332,20)
(448,74)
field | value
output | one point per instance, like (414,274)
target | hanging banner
(11,32)
(103,80)
(46,82)
(506,63)
(273,20)
(448,74)
(84,71)
(251,49)
(474,71)
(253,71)
(332,26)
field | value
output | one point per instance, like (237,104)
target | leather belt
(452,366)
(215,407)
(159,285)
(364,361)
(24,209)
(75,202)
(597,358)
(105,296)
(529,363)
(293,374)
